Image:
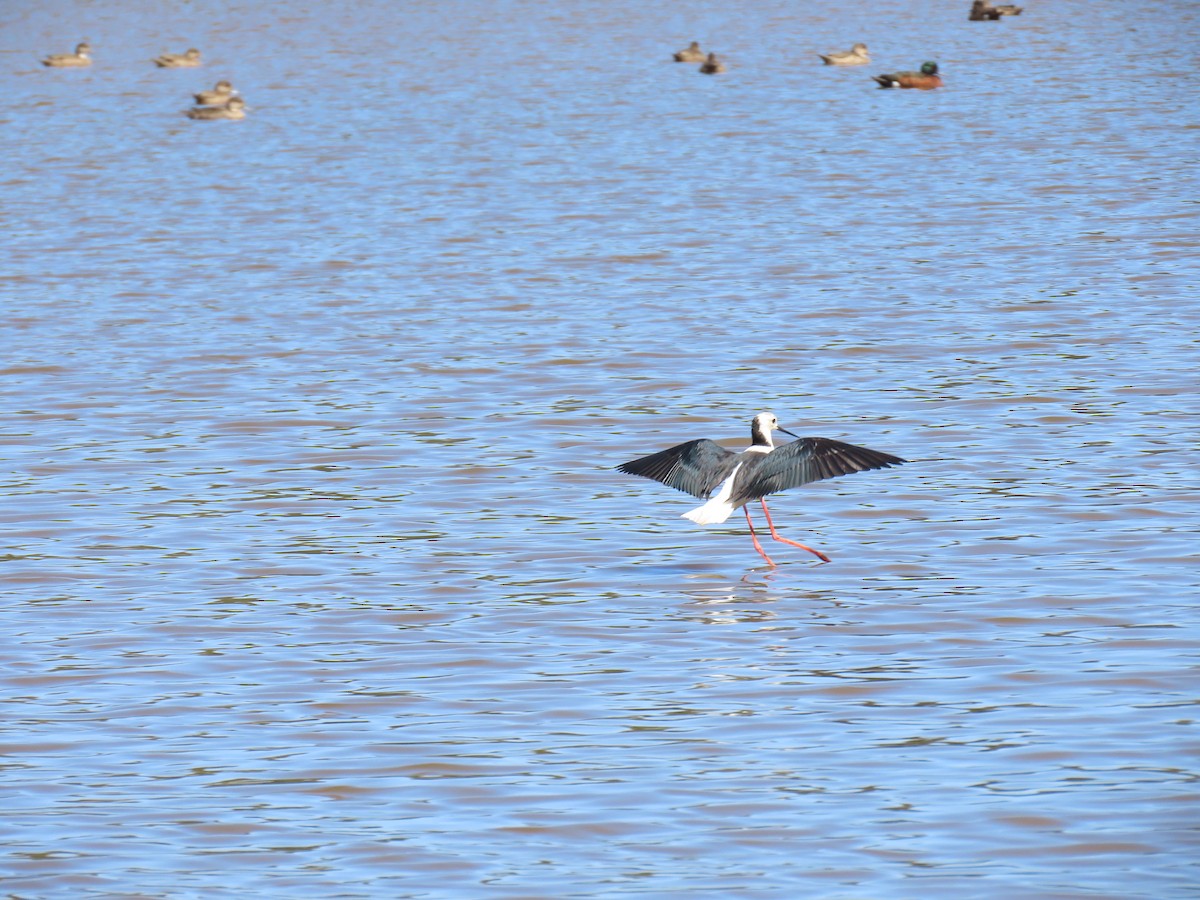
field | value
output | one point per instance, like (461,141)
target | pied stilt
(701,467)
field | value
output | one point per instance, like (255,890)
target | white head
(761,427)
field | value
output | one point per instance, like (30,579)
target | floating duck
(855,56)
(218,96)
(691,53)
(234,108)
(983,11)
(925,80)
(81,57)
(178,60)
(712,65)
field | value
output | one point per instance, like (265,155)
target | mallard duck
(925,80)
(80,57)
(712,65)
(218,96)
(178,60)
(234,108)
(692,53)
(855,56)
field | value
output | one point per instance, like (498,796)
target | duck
(983,11)
(712,65)
(691,53)
(927,79)
(178,60)
(234,108)
(855,56)
(218,96)
(81,57)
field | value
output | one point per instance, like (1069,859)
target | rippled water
(319,580)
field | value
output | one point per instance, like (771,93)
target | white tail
(718,509)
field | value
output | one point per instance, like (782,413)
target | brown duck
(691,53)
(178,60)
(234,108)
(925,80)
(81,57)
(218,96)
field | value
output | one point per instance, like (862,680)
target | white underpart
(718,509)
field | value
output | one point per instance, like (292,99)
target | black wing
(810,459)
(694,468)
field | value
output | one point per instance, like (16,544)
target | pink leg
(754,537)
(775,534)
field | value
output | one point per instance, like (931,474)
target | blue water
(319,577)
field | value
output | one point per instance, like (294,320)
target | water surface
(319,579)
